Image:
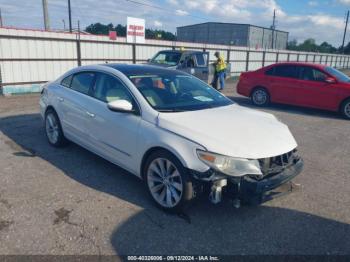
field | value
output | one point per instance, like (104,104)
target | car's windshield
(337,74)
(167,58)
(174,92)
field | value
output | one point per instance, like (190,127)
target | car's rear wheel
(260,97)
(167,181)
(53,129)
(345,108)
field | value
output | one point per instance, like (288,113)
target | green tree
(101,29)
(310,45)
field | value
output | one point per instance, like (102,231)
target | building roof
(249,25)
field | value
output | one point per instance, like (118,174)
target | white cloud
(181,12)
(173,2)
(344,2)
(312,3)
(321,26)
(158,23)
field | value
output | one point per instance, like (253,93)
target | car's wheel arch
(341,104)
(50,108)
(151,150)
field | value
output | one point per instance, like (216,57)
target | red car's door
(314,91)
(281,81)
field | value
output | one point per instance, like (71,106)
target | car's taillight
(242,75)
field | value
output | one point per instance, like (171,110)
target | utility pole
(64,25)
(273,27)
(46,15)
(1,24)
(70,16)
(346,27)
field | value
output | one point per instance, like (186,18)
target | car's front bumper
(251,190)
(258,191)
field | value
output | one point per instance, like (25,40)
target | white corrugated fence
(29,58)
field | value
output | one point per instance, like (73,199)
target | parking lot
(70,201)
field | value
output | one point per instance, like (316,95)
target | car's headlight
(229,165)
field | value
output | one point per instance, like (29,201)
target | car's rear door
(72,105)
(314,91)
(281,81)
(113,135)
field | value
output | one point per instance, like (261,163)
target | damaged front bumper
(256,192)
(249,189)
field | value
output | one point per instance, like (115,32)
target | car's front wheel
(53,129)
(167,181)
(260,97)
(345,109)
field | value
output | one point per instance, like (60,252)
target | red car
(302,84)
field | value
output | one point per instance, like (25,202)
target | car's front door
(196,64)
(72,105)
(201,66)
(314,91)
(113,134)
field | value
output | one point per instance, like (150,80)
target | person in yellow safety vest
(220,72)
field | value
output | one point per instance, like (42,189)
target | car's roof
(181,51)
(300,64)
(141,69)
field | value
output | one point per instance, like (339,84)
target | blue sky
(323,20)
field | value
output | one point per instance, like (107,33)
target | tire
(345,109)
(260,97)
(167,181)
(53,129)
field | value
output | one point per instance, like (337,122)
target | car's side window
(288,71)
(311,74)
(82,82)
(201,59)
(270,72)
(66,82)
(108,88)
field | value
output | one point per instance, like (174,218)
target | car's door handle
(90,114)
(60,99)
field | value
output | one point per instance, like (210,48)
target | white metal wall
(28,56)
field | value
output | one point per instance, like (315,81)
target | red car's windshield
(337,74)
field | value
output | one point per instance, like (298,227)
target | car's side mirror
(122,106)
(182,64)
(330,80)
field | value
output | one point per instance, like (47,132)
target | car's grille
(273,165)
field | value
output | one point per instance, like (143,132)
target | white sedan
(172,130)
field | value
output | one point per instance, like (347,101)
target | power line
(164,9)
(273,27)
(346,26)
(46,15)
(70,16)
(1,24)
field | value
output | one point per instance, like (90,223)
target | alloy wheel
(259,97)
(347,110)
(52,128)
(164,182)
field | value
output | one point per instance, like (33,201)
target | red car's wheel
(260,97)
(345,108)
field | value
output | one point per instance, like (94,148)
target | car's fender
(154,137)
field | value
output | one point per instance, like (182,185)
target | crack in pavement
(62,215)
(5,224)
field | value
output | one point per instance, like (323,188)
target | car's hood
(232,130)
